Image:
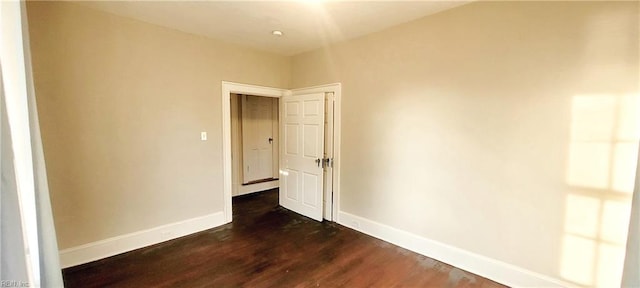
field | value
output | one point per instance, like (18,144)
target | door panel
(301,179)
(311,146)
(291,183)
(292,139)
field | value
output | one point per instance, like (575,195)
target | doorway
(331,165)
(254,143)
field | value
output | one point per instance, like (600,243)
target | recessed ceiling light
(277,33)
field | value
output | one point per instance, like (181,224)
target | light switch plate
(203,136)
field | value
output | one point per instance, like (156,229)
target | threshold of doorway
(260,181)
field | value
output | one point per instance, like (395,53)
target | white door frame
(229,88)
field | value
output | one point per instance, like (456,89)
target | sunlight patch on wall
(609,269)
(582,215)
(593,117)
(624,167)
(577,259)
(601,173)
(615,221)
(589,165)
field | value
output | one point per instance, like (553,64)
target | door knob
(318,162)
(270,140)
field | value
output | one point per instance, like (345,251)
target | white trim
(489,268)
(128,242)
(317,89)
(327,212)
(16,96)
(336,88)
(227,89)
(252,188)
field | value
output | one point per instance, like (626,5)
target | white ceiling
(306,25)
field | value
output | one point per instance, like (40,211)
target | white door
(302,149)
(257,138)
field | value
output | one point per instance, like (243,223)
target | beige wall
(508,129)
(236,144)
(121,105)
(501,128)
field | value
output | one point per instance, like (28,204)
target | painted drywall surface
(508,129)
(236,144)
(122,104)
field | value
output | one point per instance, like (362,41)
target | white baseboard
(124,243)
(495,270)
(252,188)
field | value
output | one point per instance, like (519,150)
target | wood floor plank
(269,246)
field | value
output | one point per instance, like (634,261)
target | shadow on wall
(601,167)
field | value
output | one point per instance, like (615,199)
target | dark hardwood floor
(269,246)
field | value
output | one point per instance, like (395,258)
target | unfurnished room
(317,143)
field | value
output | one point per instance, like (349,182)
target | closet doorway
(254,143)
